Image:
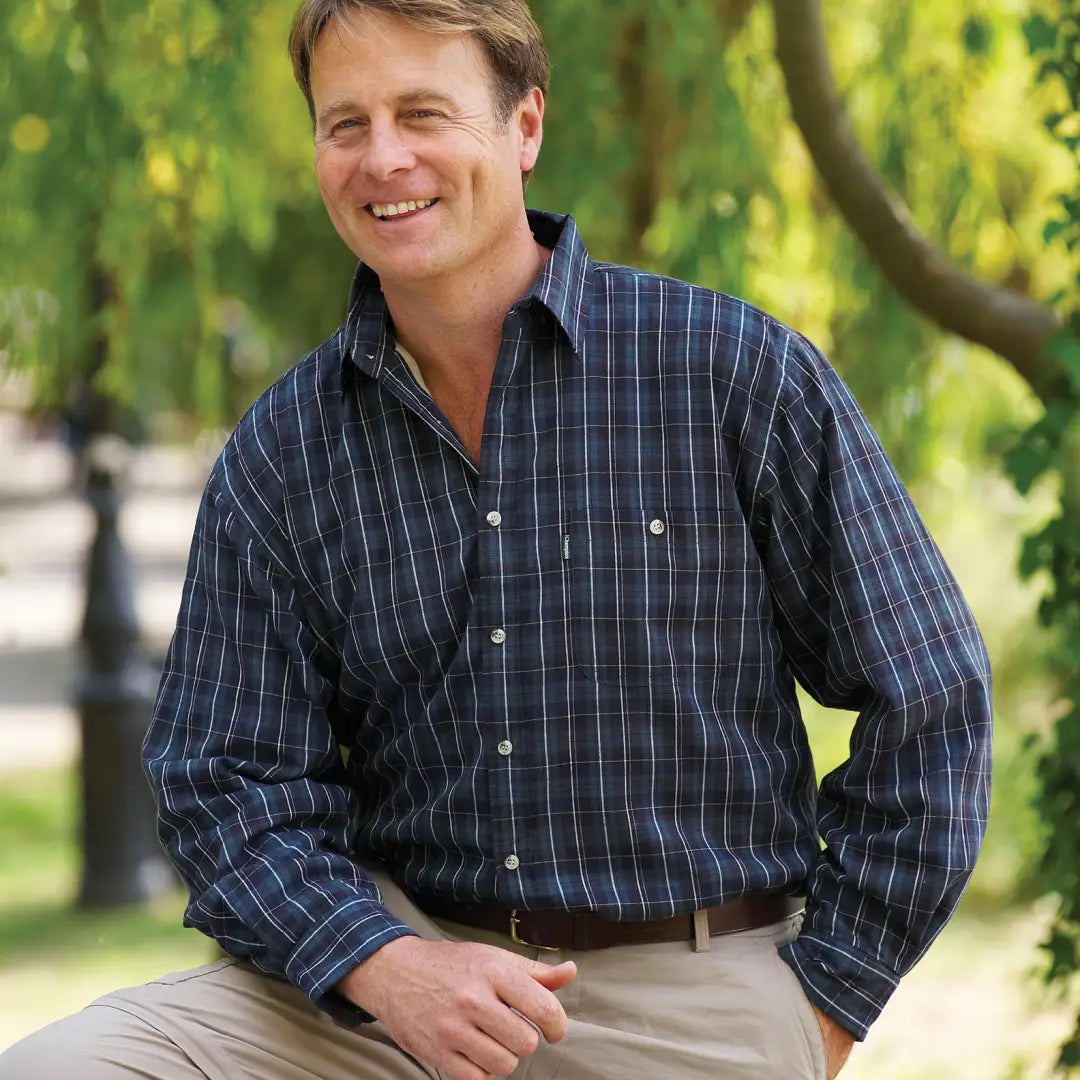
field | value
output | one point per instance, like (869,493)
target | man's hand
(838,1042)
(456,1005)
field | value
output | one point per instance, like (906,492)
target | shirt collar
(560,286)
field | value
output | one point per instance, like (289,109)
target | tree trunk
(1012,325)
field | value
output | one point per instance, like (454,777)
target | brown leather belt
(555,930)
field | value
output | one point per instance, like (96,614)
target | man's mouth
(390,211)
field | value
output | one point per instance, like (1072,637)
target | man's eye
(423,114)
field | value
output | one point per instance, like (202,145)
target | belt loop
(581,932)
(702,935)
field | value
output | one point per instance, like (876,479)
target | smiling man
(477,743)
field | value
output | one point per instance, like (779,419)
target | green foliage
(137,153)
(166,145)
(1052,445)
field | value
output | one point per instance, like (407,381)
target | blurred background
(164,255)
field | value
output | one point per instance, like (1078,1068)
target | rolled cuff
(352,933)
(846,986)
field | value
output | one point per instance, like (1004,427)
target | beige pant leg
(97,1044)
(223,1021)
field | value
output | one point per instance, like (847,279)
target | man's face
(406,118)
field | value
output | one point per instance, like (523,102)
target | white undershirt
(413,366)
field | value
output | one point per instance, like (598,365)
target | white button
(494,519)
(506,748)
(498,636)
(511,862)
(657,527)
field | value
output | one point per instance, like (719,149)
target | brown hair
(504,28)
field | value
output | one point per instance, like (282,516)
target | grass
(972,1010)
(54,958)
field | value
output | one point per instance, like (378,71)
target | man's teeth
(384,210)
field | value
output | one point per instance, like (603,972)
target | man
(478,734)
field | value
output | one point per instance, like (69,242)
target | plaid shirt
(566,679)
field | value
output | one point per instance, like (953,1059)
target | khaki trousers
(660,1012)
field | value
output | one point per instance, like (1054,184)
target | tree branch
(1010,324)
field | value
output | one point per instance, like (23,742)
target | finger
(553,976)
(535,1002)
(487,1054)
(459,1067)
(512,1030)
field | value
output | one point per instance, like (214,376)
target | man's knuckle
(549,1010)
(444,1028)
(466,999)
(507,1064)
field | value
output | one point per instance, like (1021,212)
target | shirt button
(506,748)
(657,527)
(511,862)
(498,636)
(494,519)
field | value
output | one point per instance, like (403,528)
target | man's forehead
(386,30)
(410,64)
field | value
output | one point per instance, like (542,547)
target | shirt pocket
(652,589)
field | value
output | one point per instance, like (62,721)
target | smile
(384,211)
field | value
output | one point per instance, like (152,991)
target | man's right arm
(255,807)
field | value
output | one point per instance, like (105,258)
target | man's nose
(387,152)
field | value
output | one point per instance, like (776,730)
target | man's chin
(406,268)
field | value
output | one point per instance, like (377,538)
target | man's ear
(530,127)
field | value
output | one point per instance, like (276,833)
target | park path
(45,531)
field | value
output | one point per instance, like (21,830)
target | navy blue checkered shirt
(566,678)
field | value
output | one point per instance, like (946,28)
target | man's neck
(454,328)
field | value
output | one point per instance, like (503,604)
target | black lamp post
(122,861)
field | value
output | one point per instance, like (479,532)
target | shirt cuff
(844,985)
(352,933)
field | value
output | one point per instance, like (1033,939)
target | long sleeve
(872,620)
(255,808)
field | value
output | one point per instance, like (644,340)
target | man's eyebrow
(423,96)
(335,108)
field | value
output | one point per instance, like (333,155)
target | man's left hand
(838,1042)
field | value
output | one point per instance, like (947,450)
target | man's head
(427,116)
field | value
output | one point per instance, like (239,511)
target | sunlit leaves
(30,134)
(132,126)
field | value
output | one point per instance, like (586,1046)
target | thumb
(552,976)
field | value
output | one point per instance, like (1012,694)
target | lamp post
(122,860)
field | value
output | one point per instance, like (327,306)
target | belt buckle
(515,922)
